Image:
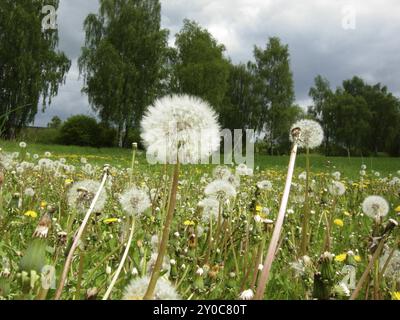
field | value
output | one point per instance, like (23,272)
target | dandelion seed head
(375,207)
(220,189)
(246,295)
(311,134)
(336,188)
(264,185)
(137,288)
(82,193)
(180,126)
(135,201)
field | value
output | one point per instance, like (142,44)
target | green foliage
(357,118)
(123,60)
(55,123)
(200,66)
(275,90)
(30,67)
(82,130)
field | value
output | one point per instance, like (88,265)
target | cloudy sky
(334,38)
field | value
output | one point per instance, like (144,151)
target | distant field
(121,157)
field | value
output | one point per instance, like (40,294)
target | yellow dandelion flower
(68,182)
(110,220)
(346,213)
(397,209)
(338,222)
(341,257)
(43,204)
(396,295)
(357,258)
(31,214)
(188,223)
(258,208)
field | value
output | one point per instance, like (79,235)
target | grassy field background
(350,167)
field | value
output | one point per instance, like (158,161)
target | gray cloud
(313,30)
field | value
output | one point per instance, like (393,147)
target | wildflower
(338,222)
(31,214)
(81,195)
(22,145)
(135,201)
(68,182)
(397,209)
(363,167)
(222,172)
(47,154)
(375,207)
(163,291)
(337,188)
(396,295)
(264,185)
(43,226)
(303,175)
(210,206)
(188,223)
(220,189)
(243,170)
(311,134)
(180,126)
(29,192)
(258,208)
(336,175)
(341,257)
(110,220)
(247,295)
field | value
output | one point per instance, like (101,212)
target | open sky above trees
(318,44)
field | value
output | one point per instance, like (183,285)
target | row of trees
(127,63)
(358,118)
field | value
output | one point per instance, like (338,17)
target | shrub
(81,130)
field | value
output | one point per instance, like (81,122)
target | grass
(350,167)
(229,262)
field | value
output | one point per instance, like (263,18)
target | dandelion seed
(311,134)
(29,192)
(180,126)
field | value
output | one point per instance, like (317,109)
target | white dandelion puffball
(220,189)
(82,193)
(163,291)
(180,126)
(247,295)
(264,185)
(210,207)
(337,188)
(135,201)
(375,207)
(22,144)
(393,267)
(311,134)
(222,172)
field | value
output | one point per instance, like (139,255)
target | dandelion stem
(306,218)
(360,283)
(122,262)
(165,236)
(78,236)
(134,148)
(278,226)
